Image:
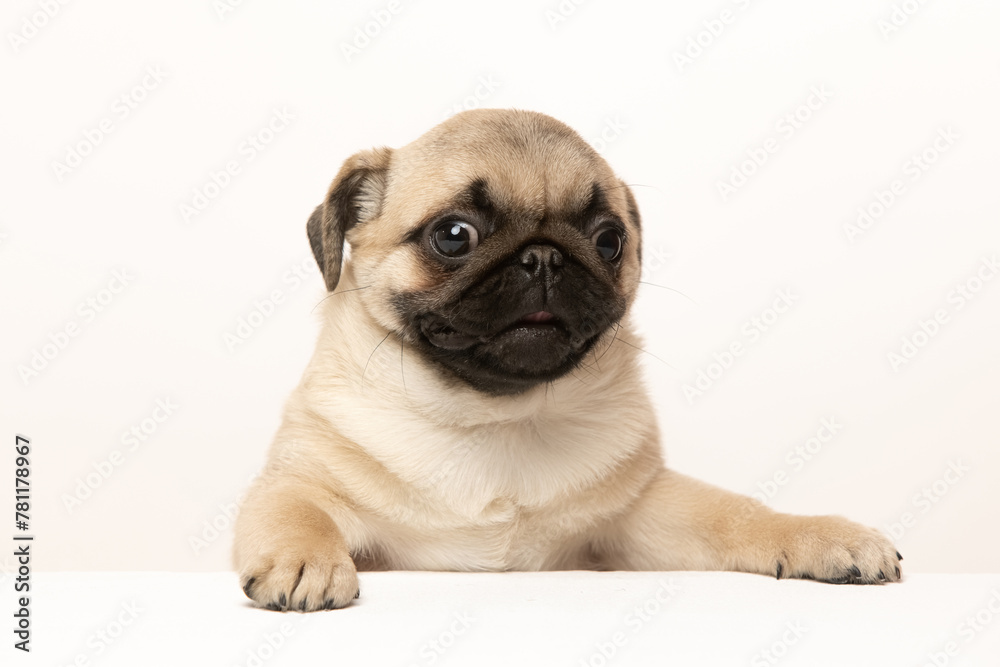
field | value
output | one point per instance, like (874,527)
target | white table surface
(561,618)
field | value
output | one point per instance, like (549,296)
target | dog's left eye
(454,238)
(609,244)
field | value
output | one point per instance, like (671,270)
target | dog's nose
(541,260)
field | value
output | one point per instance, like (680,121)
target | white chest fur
(471,474)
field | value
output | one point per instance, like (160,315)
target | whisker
(594,350)
(353,289)
(401,374)
(647,352)
(370,359)
(669,288)
(617,328)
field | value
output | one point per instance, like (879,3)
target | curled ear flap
(354,197)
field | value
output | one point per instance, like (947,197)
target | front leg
(679,523)
(288,552)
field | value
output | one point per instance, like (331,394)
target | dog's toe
(838,551)
(321,581)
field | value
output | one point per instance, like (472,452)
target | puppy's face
(500,245)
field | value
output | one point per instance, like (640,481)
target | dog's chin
(533,350)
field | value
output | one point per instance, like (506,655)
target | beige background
(263,102)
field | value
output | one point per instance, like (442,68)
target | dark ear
(354,197)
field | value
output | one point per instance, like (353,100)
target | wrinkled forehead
(538,175)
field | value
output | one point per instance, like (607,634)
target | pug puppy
(474,401)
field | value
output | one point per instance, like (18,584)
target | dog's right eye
(609,244)
(454,238)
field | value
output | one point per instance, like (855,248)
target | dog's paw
(835,550)
(301,579)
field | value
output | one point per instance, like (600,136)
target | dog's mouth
(536,325)
(506,337)
(538,317)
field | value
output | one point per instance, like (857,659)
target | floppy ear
(354,197)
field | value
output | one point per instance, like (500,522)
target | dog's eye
(454,238)
(609,244)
